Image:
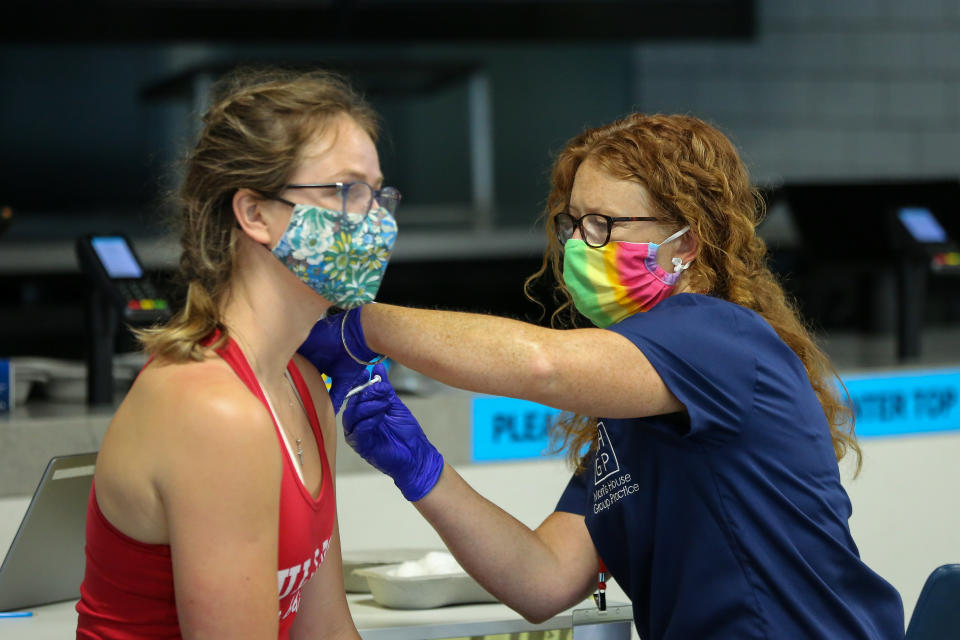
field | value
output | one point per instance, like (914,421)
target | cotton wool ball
(441,562)
(407,569)
(435,563)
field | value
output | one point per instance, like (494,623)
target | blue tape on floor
(885,404)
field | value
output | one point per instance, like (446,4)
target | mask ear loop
(676,235)
(678,264)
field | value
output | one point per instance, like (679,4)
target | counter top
(374,622)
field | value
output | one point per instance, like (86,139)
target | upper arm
(221,491)
(599,373)
(694,354)
(324,612)
(566,535)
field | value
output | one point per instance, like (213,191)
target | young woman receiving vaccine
(213,508)
(711,490)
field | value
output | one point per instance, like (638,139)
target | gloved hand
(383,431)
(325,350)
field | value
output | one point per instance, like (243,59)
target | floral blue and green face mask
(340,256)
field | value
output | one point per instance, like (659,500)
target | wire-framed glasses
(356,198)
(594,228)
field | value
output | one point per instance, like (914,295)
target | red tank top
(127,590)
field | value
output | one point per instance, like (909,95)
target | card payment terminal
(111,264)
(930,238)
(120,292)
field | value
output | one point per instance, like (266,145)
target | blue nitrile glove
(325,350)
(383,431)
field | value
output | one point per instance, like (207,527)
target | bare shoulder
(199,400)
(198,414)
(182,428)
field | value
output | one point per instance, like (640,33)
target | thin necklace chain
(290,401)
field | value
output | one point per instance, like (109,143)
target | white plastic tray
(355,560)
(422,592)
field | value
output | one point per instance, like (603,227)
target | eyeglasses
(356,197)
(595,228)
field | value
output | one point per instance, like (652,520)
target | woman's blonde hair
(694,177)
(253,135)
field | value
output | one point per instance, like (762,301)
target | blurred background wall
(860,89)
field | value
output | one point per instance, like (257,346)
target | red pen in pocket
(600,597)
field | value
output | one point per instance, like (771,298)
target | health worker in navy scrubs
(711,489)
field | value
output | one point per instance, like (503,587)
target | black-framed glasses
(595,228)
(356,197)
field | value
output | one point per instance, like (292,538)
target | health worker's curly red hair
(695,177)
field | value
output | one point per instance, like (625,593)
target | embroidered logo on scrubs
(605,464)
(607,490)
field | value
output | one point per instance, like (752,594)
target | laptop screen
(46,559)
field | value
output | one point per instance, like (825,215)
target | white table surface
(59,620)
(375,622)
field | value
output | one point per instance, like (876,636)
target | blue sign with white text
(884,403)
(899,403)
(510,429)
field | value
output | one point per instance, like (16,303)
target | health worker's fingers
(361,414)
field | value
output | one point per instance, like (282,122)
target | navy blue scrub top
(729,520)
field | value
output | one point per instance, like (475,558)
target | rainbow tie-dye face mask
(617,280)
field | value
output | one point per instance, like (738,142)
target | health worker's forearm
(537,573)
